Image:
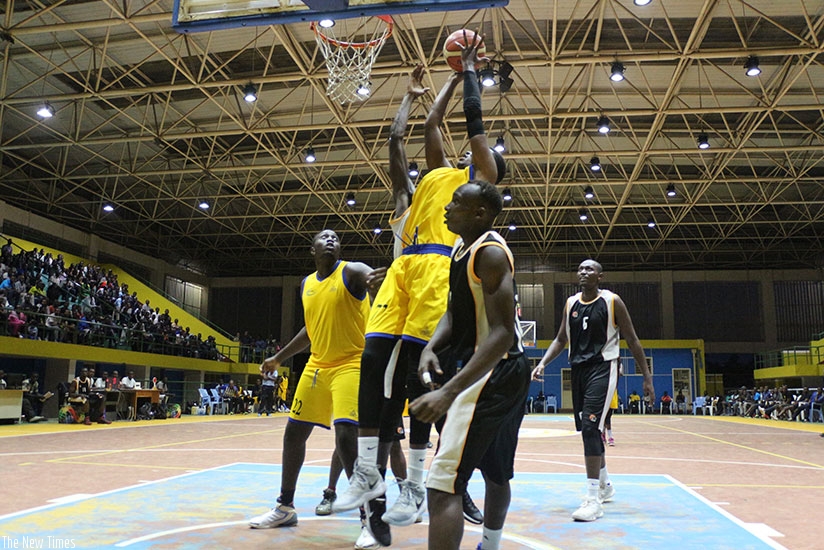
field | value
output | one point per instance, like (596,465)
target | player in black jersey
(480,338)
(592,323)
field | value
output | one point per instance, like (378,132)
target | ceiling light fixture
(108,208)
(365,89)
(603,124)
(350,199)
(506,195)
(671,190)
(413,169)
(595,164)
(589,192)
(617,74)
(326,23)
(310,155)
(45,110)
(250,93)
(203,205)
(487,77)
(377,229)
(703,141)
(582,214)
(513,226)
(752,66)
(499,145)
(651,223)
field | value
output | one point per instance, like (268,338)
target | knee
(593,446)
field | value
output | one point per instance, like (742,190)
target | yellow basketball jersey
(335,319)
(425,223)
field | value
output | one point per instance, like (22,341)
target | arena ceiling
(153,122)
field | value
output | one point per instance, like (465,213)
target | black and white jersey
(591,330)
(469,321)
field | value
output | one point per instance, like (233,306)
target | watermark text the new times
(36,542)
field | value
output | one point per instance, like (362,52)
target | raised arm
(361,278)
(435,154)
(402,185)
(482,158)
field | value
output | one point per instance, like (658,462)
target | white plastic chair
(218,401)
(699,403)
(205,402)
(551,401)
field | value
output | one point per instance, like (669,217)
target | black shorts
(592,388)
(481,429)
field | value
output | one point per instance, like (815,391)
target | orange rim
(357,45)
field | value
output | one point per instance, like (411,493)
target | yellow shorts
(327,394)
(412,298)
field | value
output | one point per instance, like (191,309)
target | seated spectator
(100,381)
(91,403)
(634,402)
(113,383)
(128,382)
(31,393)
(681,402)
(231,394)
(16,324)
(666,403)
(3,383)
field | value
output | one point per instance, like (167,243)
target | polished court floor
(682,481)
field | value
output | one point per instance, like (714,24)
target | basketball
(452,48)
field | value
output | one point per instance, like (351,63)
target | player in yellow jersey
(413,297)
(335,307)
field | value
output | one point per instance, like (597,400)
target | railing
(788,356)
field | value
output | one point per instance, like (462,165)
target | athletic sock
(415,467)
(609,433)
(603,476)
(287,497)
(592,488)
(368,450)
(492,539)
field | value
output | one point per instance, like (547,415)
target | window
(185,294)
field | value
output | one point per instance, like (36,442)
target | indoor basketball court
(681,481)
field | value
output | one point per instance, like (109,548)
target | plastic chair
(551,401)
(663,405)
(218,401)
(699,403)
(205,402)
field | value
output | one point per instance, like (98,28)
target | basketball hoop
(350,63)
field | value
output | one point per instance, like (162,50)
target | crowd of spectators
(254,349)
(43,299)
(780,403)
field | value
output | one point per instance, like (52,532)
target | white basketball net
(350,63)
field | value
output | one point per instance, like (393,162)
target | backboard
(210,15)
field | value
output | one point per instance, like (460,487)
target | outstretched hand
(375,278)
(415,86)
(469,53)
(269,366)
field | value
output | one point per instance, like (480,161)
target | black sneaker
(379,529)
(470,511)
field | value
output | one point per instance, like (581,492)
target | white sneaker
(279,516)
(409,506)
(606,492)
(366,541)
(365,484)
(590,510)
